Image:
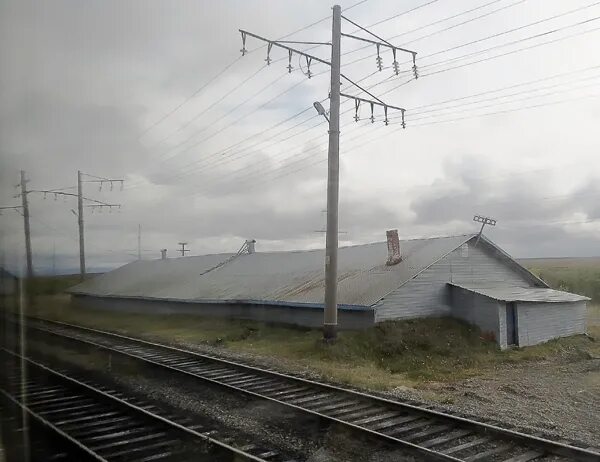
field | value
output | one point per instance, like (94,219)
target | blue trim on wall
(316,306)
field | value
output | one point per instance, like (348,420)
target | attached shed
(424,277)
(520,316)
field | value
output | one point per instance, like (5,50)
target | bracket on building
(484,221)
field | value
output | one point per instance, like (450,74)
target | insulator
(414,68)
(308,72)
(356,107)
(243,50)
(290,67)
(378,60)
(100,187)
(372,114)
(385,109)
(395,63)
(403,122)
(111,185)
(268,60)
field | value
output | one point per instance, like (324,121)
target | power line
(504,111)
(247,149)
(406,12)
(225,69)
(437,112)
(514,42)
(543,79)
(392,89)
(430,24)
(489,13)
(207,108)
(496,56)
(223,116)
(511,30)
(203,140)
(514,51)
(189,98)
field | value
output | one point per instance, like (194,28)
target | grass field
(402,353)
(50,285)
(578,275)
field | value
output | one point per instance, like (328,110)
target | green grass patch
(578,275)
(398,353)
(51,285)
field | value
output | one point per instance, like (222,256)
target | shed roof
(523,294)
(294,278)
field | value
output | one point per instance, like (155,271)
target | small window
(464,250)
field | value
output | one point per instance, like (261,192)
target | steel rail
(302,394)
(99,398)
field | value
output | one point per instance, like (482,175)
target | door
(511,324)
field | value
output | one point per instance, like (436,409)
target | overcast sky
(86,85)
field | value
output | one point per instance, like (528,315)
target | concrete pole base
(329,333)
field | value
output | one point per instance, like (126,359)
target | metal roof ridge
(270,252)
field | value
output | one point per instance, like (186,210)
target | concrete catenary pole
(333,180)
(25,204)
(80,223)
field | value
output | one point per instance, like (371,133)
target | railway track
(92,422)
(436,435)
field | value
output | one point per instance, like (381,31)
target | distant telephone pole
(25,206)
(139,242)
(80,226)
(331,248)
(183,250)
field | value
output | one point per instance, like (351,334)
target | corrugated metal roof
(288,277)
(523,294)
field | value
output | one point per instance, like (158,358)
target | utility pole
(333,183)
(139,242)
(80,225)
(183,250)
(82,202)
(331,247)
(95,204)
(54,258)
(25,206)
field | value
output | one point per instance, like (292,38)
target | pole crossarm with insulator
(333,119)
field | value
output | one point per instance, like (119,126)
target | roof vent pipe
(163,254)
(250,245)
(393,246)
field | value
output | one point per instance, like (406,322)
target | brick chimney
(163,254)
(393,245)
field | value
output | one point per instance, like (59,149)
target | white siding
(428,293)
(482,311)
(540,322)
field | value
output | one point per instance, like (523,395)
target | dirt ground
(560,399)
